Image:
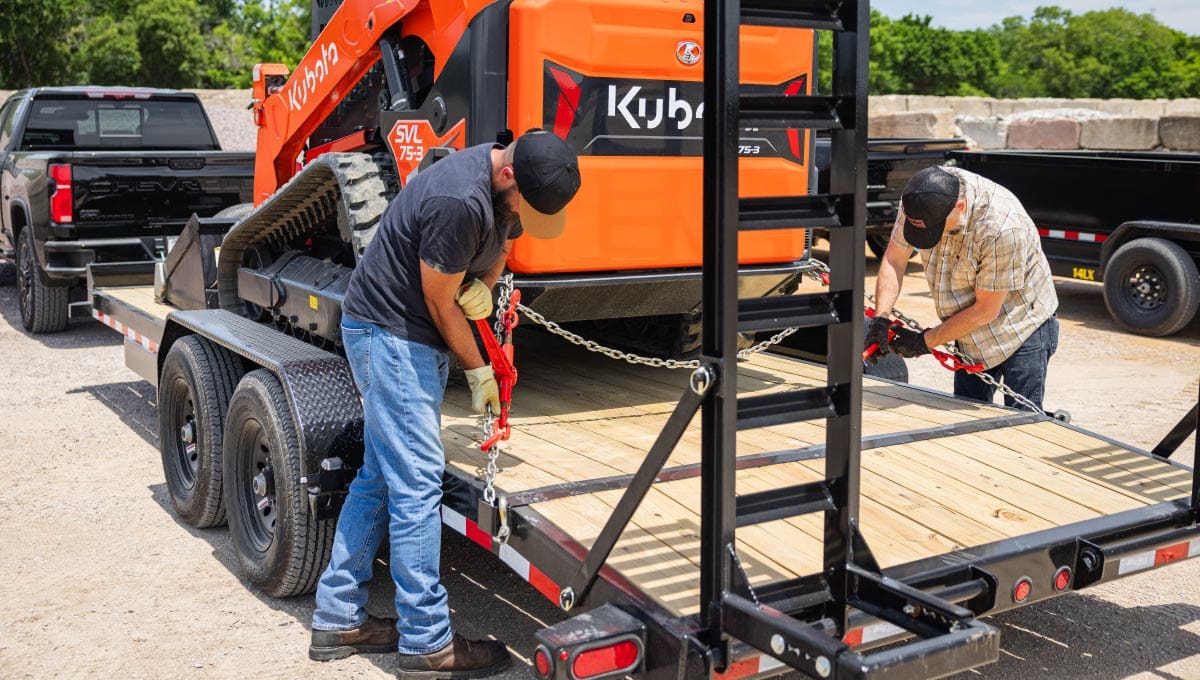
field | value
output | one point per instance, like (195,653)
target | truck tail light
(62,201)
(613,658)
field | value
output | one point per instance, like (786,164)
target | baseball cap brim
(538,224)
(923,237)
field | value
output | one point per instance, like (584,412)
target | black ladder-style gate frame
(798,621)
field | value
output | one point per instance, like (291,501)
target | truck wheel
(197,380)
(279,545)
(1151,287)
(43,306)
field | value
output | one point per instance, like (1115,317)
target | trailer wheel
(1151,287)
(197,380)
(279,545)
(43,306)
(878,243)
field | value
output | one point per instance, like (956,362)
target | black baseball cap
(547,174)
(928,198)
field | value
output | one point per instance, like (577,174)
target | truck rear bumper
(67,261)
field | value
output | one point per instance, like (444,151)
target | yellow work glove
(484,391)
(475,298)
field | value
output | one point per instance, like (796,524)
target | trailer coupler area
(949,638)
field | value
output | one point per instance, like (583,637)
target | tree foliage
(215,43)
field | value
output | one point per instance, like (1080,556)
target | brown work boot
(375,636)
(462,658)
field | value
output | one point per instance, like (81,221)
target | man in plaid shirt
(989,278)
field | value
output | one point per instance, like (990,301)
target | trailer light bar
(1159,557)
(62,201)
(1062,578)
(1022,589)
(611,658)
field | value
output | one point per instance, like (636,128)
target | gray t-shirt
(442,217)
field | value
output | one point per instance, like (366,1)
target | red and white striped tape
(1072,235)
(515,560)
(747,668)
(146,343)
(872,633)
(1161,556)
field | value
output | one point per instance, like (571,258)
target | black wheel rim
(25,280)
(1146,288)
(185,433)
(256,484)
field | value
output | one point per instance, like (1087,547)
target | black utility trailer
(1128,219)
(811,517)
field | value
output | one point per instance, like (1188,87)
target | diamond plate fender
(320,389)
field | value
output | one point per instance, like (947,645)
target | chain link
(488,421)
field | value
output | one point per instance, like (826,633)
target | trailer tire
(890,366)
(1151,287)
(878,243)
(198,377)
(43,306)
(280,546)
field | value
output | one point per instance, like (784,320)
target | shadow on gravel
(1085,637)
(133,402)
(82,331)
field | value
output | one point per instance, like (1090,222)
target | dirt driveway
(100,580)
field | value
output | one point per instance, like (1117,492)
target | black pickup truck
(1128,219)
(103,174)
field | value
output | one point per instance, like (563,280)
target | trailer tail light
(1021,590)
(613,658)
(601,643)
(1062,578)
(62,201)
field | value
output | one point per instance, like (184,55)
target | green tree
(910,56)
(32,46)
(105,53)
(170,42)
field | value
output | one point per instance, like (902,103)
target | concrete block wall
(1043,123)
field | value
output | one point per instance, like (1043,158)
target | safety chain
(488,420)
(637,359)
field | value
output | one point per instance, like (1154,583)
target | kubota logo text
(651,113)
(312,78)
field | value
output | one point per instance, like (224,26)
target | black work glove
(909,343)
(877,334)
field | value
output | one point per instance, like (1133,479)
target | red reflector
(541,660)
(854,637)
(1022,589)
(62,201)
(568,101)
(620,656)
(1171,553)
(1062,578)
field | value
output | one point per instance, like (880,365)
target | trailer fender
(1186,235)
(320,389)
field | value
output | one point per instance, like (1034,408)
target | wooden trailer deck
(938,474)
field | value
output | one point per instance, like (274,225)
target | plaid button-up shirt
(995,248)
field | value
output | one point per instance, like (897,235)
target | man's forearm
(887,289)
(456,331)
(960,325)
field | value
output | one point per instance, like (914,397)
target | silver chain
(488,420)
(637,359)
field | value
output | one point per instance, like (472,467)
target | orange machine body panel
(632,116)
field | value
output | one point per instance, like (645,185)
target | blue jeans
(1024,372)
(397,490)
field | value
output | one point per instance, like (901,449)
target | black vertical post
(720,308)
(843,436)
(1196,464)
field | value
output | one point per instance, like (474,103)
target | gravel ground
(103,581)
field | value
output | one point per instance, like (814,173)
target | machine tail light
(798,86)
(62,201)
(567,107)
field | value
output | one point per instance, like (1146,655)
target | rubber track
(344,186)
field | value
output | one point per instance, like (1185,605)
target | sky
(1182,15)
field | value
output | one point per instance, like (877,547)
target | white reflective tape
(879,631)
(1136,562)
(1194,548)
(454,520)
(514,560)
(1056,233)
(1090,238)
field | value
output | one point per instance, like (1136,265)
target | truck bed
(941,476)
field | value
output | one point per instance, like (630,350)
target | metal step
(785,407)
(785,311)
(792,501)
(826,15)
(777,111)
(826,211)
